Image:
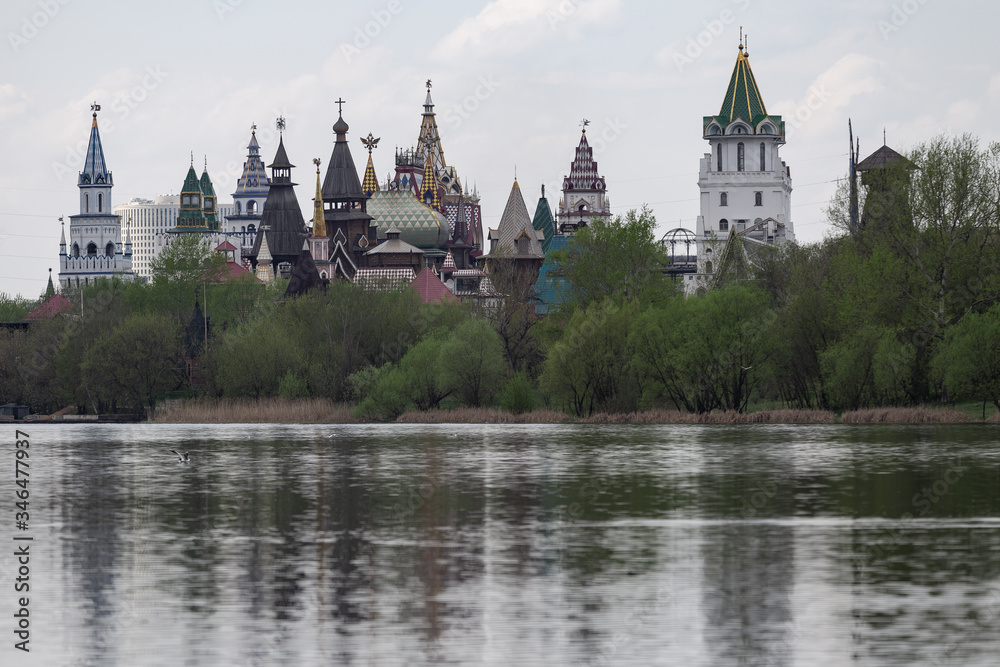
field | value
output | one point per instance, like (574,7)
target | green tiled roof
(743,100)
(418,225)
(543,221)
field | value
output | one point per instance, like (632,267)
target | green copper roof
(543,221)
(206,185)
(191,183)
(743,98)
(418,224)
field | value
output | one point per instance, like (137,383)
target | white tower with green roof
(746,188)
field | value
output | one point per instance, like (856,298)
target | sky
(512,80)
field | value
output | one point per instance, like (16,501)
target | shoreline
(324,411)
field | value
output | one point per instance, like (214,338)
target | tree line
(903,309)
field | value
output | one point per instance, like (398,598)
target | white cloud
(512,26)
(13,102)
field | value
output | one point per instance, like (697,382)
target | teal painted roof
(418,224)
(551,289)
(543,221)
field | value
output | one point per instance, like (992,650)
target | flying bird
(183,458)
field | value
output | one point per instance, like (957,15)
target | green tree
(588,368)
(616,257)
(969,361)
(136,361)
(472,362)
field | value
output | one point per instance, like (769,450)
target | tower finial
(192,159)
(253,129)
(370,142)
(206,161)
(340,106)
(883,135)
(741,39)
(279,124)
(584,123)
(428,84)
(316,162)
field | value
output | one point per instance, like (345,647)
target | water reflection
(545,545)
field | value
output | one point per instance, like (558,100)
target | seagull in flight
(182,458)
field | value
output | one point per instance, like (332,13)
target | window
(758,199)
(708,267)
(723,225)
(186,200)
(110,250)
(91,249)
(86,203)
(251,207)
(237,208)
(100,202)
(76,249)
(763,162)
(718,156)
(723,199)
(740,162)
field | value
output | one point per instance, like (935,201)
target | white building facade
(146,222)
(745,186)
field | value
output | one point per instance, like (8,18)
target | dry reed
(918,415)
(663,416)
(251,411)
(482,416)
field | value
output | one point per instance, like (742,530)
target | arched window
(76,249)
(237,208)
(723,199)
(251,207)
(740,161)
(100,202)
(109,250)
(763,155)
(186,200)
(718,157)
(708,267)
(86,203)
(252,229)
(91,249)
(758,199)
(723,225)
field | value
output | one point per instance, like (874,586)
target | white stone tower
(746,188)
(95,248)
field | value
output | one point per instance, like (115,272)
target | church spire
(369,184)
(743,98)
(319,222)
(428,186)
(95,171)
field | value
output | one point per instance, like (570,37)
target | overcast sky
(512,80)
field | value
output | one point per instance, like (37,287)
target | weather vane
(253,128)
(280,123)
(428,84)
(370,142)
(95,107)
(584,123)
(316,162)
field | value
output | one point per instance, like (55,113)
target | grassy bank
(323,411)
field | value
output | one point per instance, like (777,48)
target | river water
(507,545)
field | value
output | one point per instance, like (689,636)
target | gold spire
(429,184)
(319,223)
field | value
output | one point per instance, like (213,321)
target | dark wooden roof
(882,158)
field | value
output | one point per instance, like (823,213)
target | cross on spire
(340,106)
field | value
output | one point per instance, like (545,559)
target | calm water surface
(510,545)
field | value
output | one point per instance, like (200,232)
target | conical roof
(341,182)
(206,184)
(882,158)
(95,171)
(281,221)
(254,180)
(370,184)
(743,98)
(543,220)
(192,184)
(513,222)
(319,221)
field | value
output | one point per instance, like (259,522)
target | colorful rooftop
(418,224)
